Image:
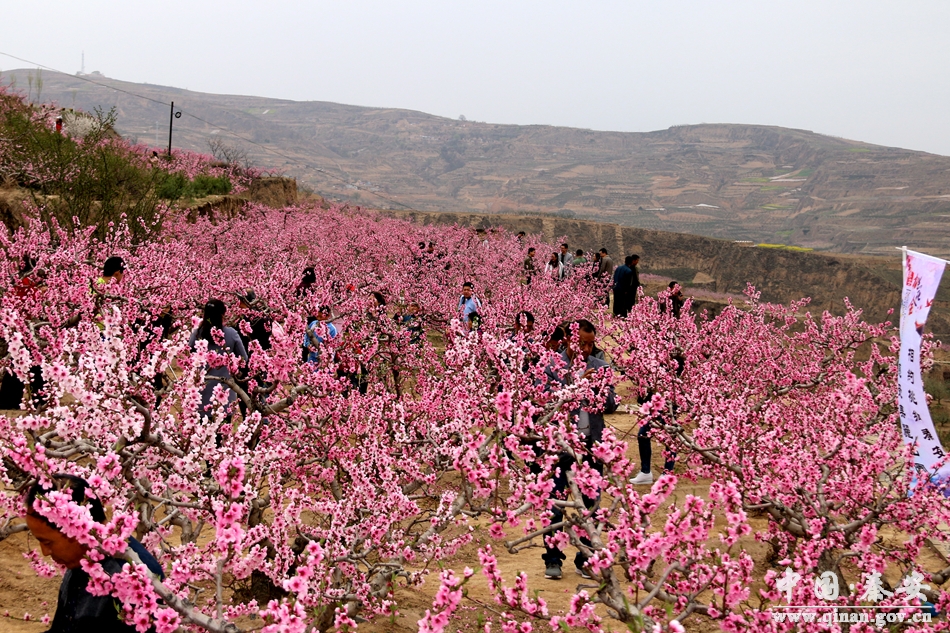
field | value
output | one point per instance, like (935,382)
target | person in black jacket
(675,300)
(261,325)
(623,275)
(634,290)
(78,611)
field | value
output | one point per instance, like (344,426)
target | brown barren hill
(735,182)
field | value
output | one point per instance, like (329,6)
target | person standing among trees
(634,281)
(213,319)
(112,272)
(530,267)
(410,321)
(259,322)
(77,610)
(566,258)
(675,299)
(579,258)
(30,280)
(468,303)
(260,325)
(605,270)
(580,343)
(12,389)
(622,277)
(555,341)
(313,337)
(645,439)
(306,283)
(524,323)
(554,268)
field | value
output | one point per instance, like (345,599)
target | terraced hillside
(737,182)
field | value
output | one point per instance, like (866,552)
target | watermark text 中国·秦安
(900,606)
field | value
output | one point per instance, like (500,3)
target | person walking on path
(590,424)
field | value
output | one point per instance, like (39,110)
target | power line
(217,127)
(26,61)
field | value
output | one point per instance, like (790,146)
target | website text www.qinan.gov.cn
(852,617)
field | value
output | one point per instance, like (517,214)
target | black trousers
(621,304)
(644,444)
(553,555)
(12,389)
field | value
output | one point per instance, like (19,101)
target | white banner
(921,278)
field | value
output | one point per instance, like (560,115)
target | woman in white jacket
(554,268)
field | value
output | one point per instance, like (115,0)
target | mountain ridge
(759,183)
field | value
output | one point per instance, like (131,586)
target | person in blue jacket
(313,337)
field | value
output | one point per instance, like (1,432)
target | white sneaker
(642,479)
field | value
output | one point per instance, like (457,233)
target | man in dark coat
(77,610)
(622,278)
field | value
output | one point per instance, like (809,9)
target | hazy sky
(869,70)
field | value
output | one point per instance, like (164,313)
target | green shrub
(936,386)
(786,247)
(210,186)
(176,186)
(79,182)
(172,186)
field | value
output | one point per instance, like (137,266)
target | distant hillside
(737,182)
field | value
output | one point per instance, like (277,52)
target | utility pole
(171,121)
